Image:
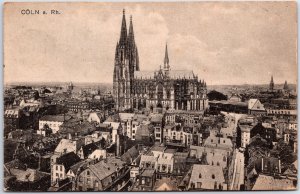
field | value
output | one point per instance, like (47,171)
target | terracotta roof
(148,172)
(166,184)
(158,148)
(207,175)
(68,160)
(88,149)
(58,118)
(130,155)
(126,116)
(31,175)
(146,158)
(264,182)
(106,167)
(65,144)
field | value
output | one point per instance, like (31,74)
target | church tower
(272,84)
(285,86)
(126,63)
(166,60)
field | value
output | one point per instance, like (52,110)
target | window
(88,181)
(199,184)
(200,176)
(96,184)
(56,167)
(60,168)
(213,176)
(88,173)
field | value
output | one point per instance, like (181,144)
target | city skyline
(244,44)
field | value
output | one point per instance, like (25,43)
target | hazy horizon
(224,43)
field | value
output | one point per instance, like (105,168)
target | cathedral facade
(164,88)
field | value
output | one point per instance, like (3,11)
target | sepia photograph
(150,96)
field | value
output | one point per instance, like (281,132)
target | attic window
(88,173)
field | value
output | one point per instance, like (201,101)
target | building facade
(164,88)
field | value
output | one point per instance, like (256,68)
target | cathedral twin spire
(126,39)
(127,43)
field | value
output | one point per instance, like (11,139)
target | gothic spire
(131,40)
(137,60)
(166,60)
(285,87)
(272,79)
(123,35)
(272,83)
(117,53)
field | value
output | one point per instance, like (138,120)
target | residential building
(206,177)
(102,176)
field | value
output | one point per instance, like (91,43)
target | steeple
(123,35)
(272,83)
(166,60)
(131,40)
(285,87)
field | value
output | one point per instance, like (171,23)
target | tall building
(164,88)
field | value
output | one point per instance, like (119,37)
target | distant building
(52,121)
(12,118)
(235,98)
(255,107)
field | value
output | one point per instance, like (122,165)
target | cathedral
(164,88)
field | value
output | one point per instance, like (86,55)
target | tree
(215,95)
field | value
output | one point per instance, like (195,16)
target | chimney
(262,164)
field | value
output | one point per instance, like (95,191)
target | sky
(222,42)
